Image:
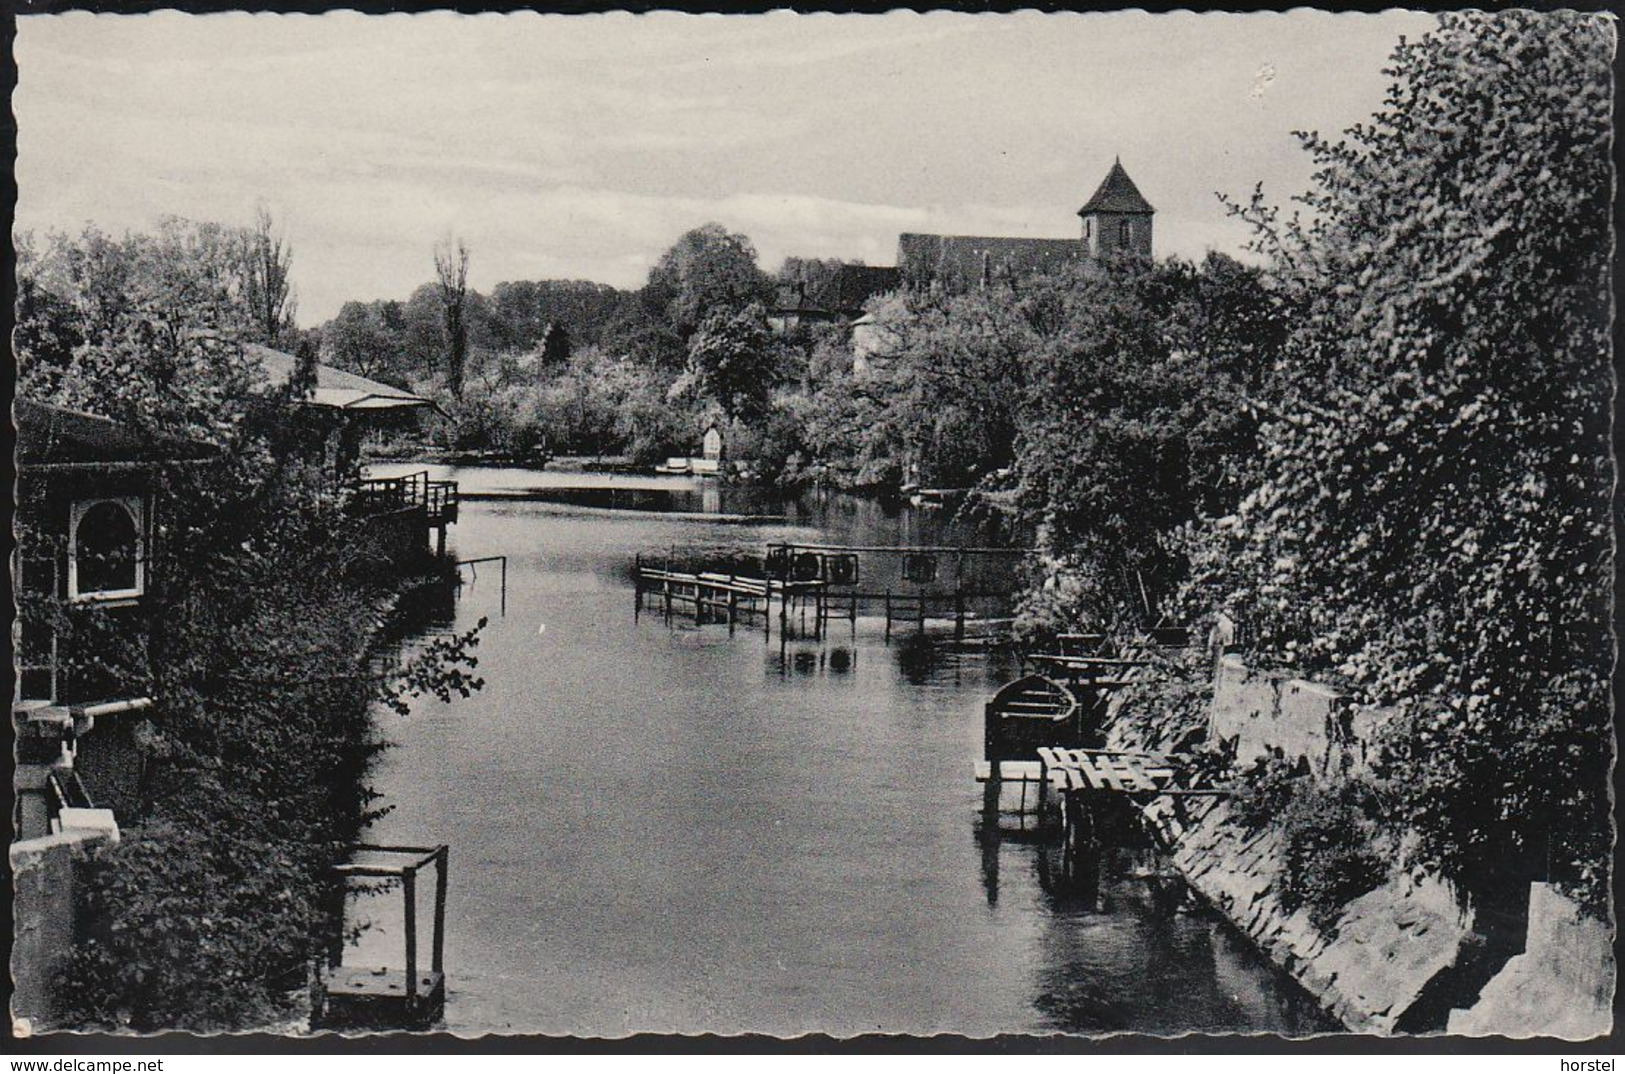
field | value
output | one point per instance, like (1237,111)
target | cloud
(583,146)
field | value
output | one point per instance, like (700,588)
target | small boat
(919,497)
(1030,712)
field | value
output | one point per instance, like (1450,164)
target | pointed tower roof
(1116,194)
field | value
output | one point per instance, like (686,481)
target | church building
(1115,222)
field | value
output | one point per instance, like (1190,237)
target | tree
(155,324)
(423,332)
(451,278)
(731,363)
(555,344)
(706,271)
(1432,525)
(358,341)
(267,288)
(953,381)
(1142,416)
(254,757)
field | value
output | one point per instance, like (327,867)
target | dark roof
(966,256)
(1117,194)
(792,298)
(850,286)
(844,291)
(48,435)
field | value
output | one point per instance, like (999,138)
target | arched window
(1125,234)
(105,553)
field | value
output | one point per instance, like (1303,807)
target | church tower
(1117,220)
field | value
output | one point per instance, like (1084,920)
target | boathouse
(88,490)
(89,499)
(346,409)
(352,406)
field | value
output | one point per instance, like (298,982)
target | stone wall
(1368,968)
(1561,986)
(44,906)
(1262,713)
(1378,959)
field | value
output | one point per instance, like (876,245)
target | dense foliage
(263,593)
(1431,524)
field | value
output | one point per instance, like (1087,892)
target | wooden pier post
(959,613)
(993,790)
(439,953)
(409,888)
(1080,851)
(888,615)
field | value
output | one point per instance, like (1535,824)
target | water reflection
(819,660)
(660,825)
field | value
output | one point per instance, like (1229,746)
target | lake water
(657,826)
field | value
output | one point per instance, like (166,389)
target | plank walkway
(1103,770)
(1112,771)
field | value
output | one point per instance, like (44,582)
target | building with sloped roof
(1116,221)
(980,258)
(839,298)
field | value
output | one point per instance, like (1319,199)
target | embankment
(1403,957)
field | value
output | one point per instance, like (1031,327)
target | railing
(438,499)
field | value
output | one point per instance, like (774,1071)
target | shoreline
(558,508)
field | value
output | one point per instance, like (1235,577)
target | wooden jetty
(431,504)
(721,594)
(381,997)
(1099,673)
(1085,794)
(817,584)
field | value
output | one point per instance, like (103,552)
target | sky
(581,147)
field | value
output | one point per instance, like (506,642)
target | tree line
(261,583)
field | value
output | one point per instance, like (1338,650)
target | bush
(193,928)
(1266,787)
(1332,849)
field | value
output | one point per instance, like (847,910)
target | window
(105,550)
(1126,234)
(35,657)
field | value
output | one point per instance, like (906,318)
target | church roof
(850,286)
(1117,194)
(968,256)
